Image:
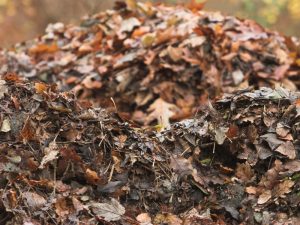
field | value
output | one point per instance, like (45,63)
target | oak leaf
(162,112)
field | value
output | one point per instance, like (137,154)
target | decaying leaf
(244,172)
(28,132)
(111,211)
(34,200)
(51,153)
(220,134)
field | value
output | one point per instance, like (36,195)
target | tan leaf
(251,190)
(131,4)
(283,188)
(287,149)
(244,172)
(51,153)
(169,219)
(292,166)
(281,130)
(3,88)
(111,211)
(61,207)
(5,127)
(162,112)
(91,176)
(264,197)
(144,219)
(174,53)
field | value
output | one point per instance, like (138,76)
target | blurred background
(25,19)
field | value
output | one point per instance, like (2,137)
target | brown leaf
(287,149)
(34,200)
(61,207)
(281,130)
(40,87)
(43,48)
(244,172)
(131,4)
(292,166)
(91,176)
(174,53)
(183,167)
(28,131)
(232,132)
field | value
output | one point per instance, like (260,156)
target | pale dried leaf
(162,111)
(5,127)
(33,199)
(3,88)
(111,211)
(51,153)
(144,219)
(264,197)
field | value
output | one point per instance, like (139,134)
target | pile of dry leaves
(156,62)
(72,150)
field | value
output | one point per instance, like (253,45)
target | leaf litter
(151,114)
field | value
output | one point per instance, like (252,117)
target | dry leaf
(28,131)
(34,200)
(5,127)
(43,48)
(40,87)
(264,197)
(220,134)
(162,112)
(287,149)
(3,88)
(91,176)
(51,153)
(144,219)
(244,172)
(111,211)
(283,188)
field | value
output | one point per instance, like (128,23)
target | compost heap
(235,161)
